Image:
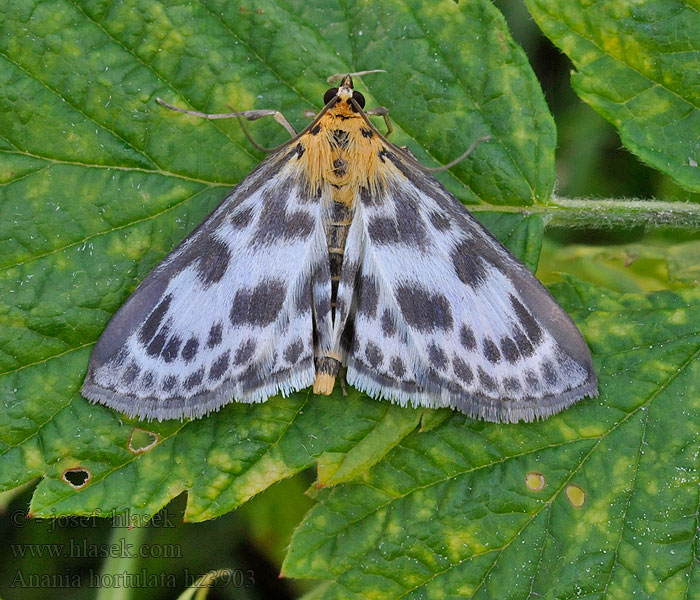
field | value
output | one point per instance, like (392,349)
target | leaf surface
(638,65)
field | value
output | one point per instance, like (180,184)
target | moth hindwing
(341,251)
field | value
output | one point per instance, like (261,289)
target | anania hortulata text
(340,250)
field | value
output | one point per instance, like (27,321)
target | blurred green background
(252,540)
(592,163)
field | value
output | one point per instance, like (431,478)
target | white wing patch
(446,316)
(228,314)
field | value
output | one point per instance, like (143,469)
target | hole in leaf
(77,478)
(141,441)
(575,495)
(535,481)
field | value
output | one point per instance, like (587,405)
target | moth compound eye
(359,98)
(329,95)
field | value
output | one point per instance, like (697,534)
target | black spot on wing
(241,218)
(367,133)
(368,198)
(509,349)
(169,383)
(157,343)
(219,366)
(259,306)
(462,369)
(193,380)
(532,329)
(388,325)
(171,349)
(119,358)
(491,351)
(299,225)
(549,373)
(466,336)
(131,372)
(374,355)
(323,307)
(368,297)
(511,384)
(347,339)
(244,352)
(470,268)
(215,335)
(315,129)
(383,230)
(149,328)
(293,351)
(302,301)
(408,226)
(148,379)
(524,345)
(439,221)
(213,261)
(411,225)
(437,357)
(190,349)
(532,380)
(347,275)
(486,380)
(422,309)
(397,367)
(275,224)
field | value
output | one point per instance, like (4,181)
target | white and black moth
(341,250)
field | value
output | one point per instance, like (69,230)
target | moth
(340,251)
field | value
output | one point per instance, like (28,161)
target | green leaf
(522,235)
(100,183)
(638,65)
(635,267)
(449,512)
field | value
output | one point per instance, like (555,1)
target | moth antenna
(251,115)
(250,137)
(460,158)
(339,76)
(288,142)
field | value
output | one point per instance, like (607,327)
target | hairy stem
(609,213)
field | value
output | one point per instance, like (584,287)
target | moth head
(344,93)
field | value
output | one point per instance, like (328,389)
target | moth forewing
(340,250)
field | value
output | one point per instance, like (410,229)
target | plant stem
(593,213)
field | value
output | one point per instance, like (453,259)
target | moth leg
(382,111)
(250,115)
(459,159)
(343,382)
(327,368)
